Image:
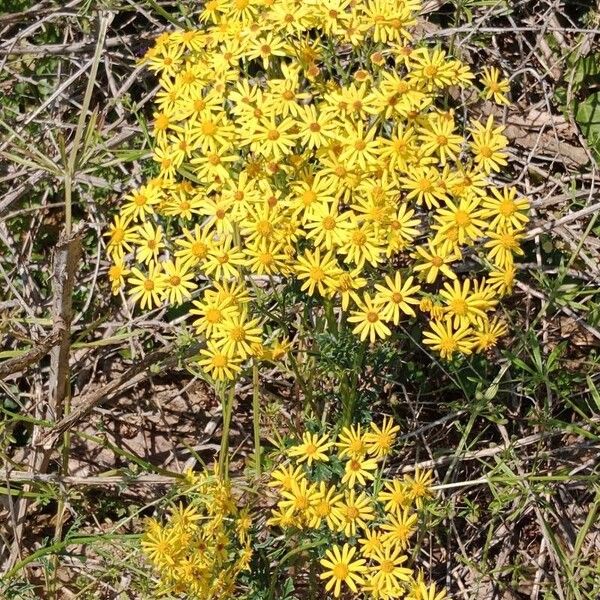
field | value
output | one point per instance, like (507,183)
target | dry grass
(99,413)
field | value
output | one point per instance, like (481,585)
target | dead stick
(15,477)
(84,405)
(20,363)
(66,262)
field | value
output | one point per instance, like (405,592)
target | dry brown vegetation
(99,412)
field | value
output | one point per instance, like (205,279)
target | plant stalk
(256,416)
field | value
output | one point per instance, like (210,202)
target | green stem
(71,165)
(332,326)
(256,416)
(350,389)
(304,385)
(227,409)
(60,547)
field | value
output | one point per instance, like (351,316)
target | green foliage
(543,384)
(579,96)
(12,6)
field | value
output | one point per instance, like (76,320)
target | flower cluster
(312,143)
(335,486)
(204,544)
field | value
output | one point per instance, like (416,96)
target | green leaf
(587,115)
(586,67)
(593,391)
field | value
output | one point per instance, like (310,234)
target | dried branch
(84,405)
(20,363)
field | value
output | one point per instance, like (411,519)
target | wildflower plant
(332,494)
(313,145)
(203,545)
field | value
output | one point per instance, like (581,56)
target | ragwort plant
(204,543)
(312,167)
(332,495)
(309,144)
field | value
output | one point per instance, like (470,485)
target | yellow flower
(402,230)
(487,334)
(312,449)
(429,592)
(400,148)
(387,571)
(286,476)
(359,146)
(160,544)
(422,185)
(315,129)
(283,518)
(310,192)
(419,486)
(260,223)
(235,293)
(116,275)
(464,216)
(396,297)
(181,205)
(120,235)
(503,279)
(236,334)
(389,20)
(341,567)
(266,47)
(322,509)
(381,439)
(220,365)
(448,340)
(439,137)
(146,288)
(494,87)
(503,246)
(463,304)
(359,470)
(375,201)
(353,513)
(399,527)
(168,161)
(318,272)
(327,227)
(140,203)
(346,286)
(189,39)
(280,348)
(507,211)
(212,312)
(274,139)
(178,282)
(195,245)
(300,500)
(224,259)
(166,60)
(396,496)
(362,244)
(431,69)
(184,518)
(487,145)
(289,17)
(266,257)
(214,165)
(372,543)
(211,131)
(149,242)
(370,318)
(352,442)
